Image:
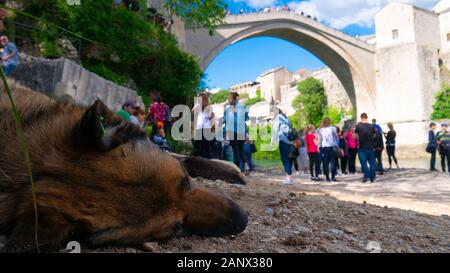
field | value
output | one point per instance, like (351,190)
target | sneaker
(334,179)
(297,173)
(288,182)
(364,180)
(313,178)
(328,179)
(318,179)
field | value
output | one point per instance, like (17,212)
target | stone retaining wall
(63,79)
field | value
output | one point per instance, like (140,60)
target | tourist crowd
(323,153)
(155,123)
(284,8)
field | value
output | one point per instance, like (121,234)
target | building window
(395,34)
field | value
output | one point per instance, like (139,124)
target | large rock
(63,79)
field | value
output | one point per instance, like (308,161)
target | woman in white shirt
(203,135)
(328,139)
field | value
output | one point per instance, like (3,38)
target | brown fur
(100,187)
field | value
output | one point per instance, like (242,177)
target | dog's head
(118,188)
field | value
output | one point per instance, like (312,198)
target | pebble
(269,211)
(151,247)
(373,247)
(337,232)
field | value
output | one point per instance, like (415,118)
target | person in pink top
(352,144)
(312,142)
(159,111)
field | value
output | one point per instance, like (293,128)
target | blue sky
(246,60)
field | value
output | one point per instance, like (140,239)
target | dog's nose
(238,220)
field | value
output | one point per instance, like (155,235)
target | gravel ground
(286,220)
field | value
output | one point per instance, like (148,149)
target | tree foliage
(221,96)
(441,108)
(128,46)
(253,101)
(199,13)
(310,104)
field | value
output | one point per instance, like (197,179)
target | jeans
(352,153)
(367,156)
(433,160)
(314,164)
(329,158)
(238,153)
(284,154)
(248,155)
(9,68)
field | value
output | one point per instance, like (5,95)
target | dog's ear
(102,130)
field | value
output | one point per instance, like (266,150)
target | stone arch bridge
(351,59)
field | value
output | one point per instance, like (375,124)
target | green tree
(221,96)
(441,108)
(253,101)
(198,13)
(310,104)
(119,45)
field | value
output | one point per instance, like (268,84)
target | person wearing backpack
(328,140)
(282,134)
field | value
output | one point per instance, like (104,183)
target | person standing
(352,144)
(390,144)
(376,126)
(312,142)
(294,154)
(303,153)
(203,127)
(343,146)
(235,118)
(10,55)
(432,146)
(328,140)
(378,148)
(158,112)
(249,149)
(364,133)
(280,135)
(443,140)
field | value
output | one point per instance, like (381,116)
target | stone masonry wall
(63,79)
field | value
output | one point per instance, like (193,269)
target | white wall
(444,20)
(394,16)
(407,70)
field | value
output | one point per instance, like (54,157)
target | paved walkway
(408,189)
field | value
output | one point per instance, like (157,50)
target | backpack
(292,134)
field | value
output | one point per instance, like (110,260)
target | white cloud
(340,14)
(258,3)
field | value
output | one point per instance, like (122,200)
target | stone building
(271,82)
(412,46)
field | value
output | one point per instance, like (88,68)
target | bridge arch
(351,59)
